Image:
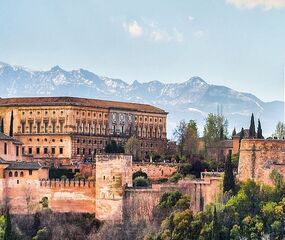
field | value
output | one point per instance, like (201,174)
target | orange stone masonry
(258,157)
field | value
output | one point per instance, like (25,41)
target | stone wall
(24,196)
(156,171)
(139,203)
(259,157)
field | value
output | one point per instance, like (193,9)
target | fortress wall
(155,171)
(140,203)
(258,157)
(24,197)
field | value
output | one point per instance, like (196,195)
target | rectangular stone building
(66,130)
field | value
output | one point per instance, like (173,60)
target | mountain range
(192,99)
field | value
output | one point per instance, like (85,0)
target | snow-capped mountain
(192,99)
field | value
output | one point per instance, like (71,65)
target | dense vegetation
(256,211)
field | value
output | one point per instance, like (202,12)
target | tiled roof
(73,101)
(14,165)
(8,138)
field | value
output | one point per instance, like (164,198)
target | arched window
(16,174)
(10,174)
(21,174)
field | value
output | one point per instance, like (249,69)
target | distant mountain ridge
(192,99)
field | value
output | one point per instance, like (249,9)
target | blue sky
(237,43)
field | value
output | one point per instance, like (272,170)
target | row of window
(39,112)
(6,149)
(90,141)
(46,150)
(16,174)
(83,151)
(39,128)
(94,114)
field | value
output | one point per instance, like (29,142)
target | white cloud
(250,4)
(190,18)
(152,31)
(160,35)
(133,28)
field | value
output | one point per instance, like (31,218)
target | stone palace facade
(66,130)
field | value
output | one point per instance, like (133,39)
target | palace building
(66,130)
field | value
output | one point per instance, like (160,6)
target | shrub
(140,182)
(42,234)
(185,169)
(139,174)
(175,177)
(169,199)
(63,177)
(44,202)
(77,176)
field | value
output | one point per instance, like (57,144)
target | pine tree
(12,125)
(8,227)
(229,179)
(252,132)
(216,227)
(259,130)
(234,132)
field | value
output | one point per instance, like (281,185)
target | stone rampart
(139,203)
(156,171)
(258,157)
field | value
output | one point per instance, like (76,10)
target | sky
(236,43)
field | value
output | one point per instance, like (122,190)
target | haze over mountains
(192,99)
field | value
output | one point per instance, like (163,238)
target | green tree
(215,129)
(42,234)
(259,131)
(37,223)
(8,228)
(113,147)
(234,132)
(187,137)
(279,131)
(216,226)
(180,135)
(252,132)
(140,182)
(132,147)
(229,179)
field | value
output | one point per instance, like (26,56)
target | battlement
(69,183)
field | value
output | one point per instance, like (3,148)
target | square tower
(113,175)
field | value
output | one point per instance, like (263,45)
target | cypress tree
(241,136)
(12,125)
(234,132)
(8,227)
(36,224)
(222,133)
(259,130)
(252,132)
(2,126)
(229,179)
(216,227)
